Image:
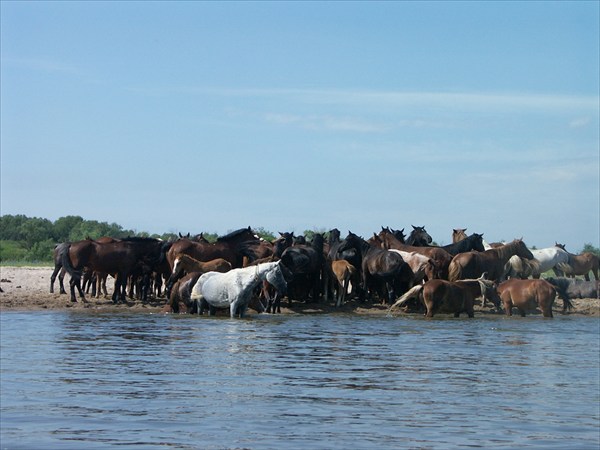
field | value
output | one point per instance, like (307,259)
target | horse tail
(413,292)
(564,295)
(455,270)
(66,262)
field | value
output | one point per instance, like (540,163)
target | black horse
(418,237)
(306,263)
(472,242)
(382,271)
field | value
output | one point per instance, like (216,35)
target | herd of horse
(240,270)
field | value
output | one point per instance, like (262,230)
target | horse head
(488,291)
(477,242)
(458,234)
(277,277)
(398,234)
(522,250)
(419,237)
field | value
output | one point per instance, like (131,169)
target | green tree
(41,251)
(35,230)
(590,248)
(10,227)
(265,234)
(64,225)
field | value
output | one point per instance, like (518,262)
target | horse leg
(57,268)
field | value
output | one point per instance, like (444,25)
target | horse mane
(506,250)
(234,234)
(140,239)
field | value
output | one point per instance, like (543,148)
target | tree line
(32,239)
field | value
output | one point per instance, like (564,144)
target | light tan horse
(458,234)
(580,264)
(344,273)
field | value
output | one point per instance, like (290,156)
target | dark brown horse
(123,258)
(232,247)
(440,256)
(382,271)
(527,295)
(474,264)
(419,237)
(306,264)
(181,293)
(441,296)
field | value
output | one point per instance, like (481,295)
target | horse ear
(414,227)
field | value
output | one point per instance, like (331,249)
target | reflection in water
(152,381)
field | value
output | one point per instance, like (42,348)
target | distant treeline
(32,239)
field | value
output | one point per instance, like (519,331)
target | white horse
(234,289)
(422,266)
(544,259)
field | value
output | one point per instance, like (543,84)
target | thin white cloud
(326,122)
(580,122)
(43,65)
(450,100)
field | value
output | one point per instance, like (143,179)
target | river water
(74,380)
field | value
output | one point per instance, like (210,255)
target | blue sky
(210,116)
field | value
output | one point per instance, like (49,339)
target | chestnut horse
(527,295)
(232,247)
(441,296)
(184,264)
(493,261)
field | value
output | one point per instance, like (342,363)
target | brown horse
(580,264)
(474,264)
(184,264)
(527,295)
(344,273)
(382,271)
(121,257)
(441,296)
(440,256)
(232,247)
(181,294)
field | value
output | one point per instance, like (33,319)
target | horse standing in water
(526,295)
(234,289)
(441,296)
(185,264)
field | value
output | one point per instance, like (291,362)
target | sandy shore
(28,288)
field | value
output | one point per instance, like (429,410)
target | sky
(292,116)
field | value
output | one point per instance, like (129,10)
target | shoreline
(28,289)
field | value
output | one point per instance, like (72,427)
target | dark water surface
(83,380)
